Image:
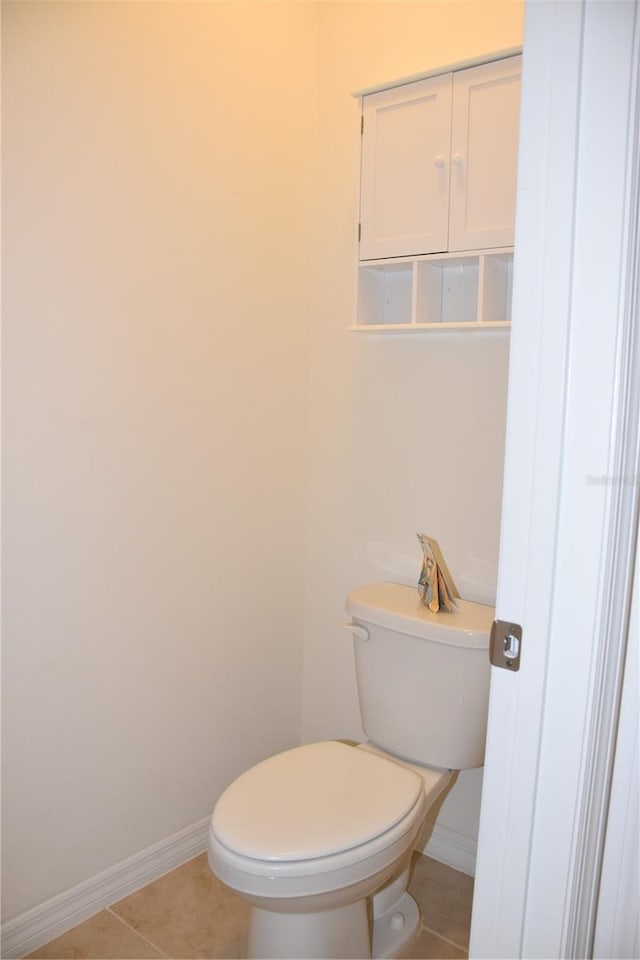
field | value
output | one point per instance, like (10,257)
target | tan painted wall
(158,169)
(186,416)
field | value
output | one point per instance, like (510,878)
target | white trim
(621,544)
(452,848)
(31,929)
(617,931)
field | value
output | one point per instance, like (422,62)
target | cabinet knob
(438,162)
(457,159)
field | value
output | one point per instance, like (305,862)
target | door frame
(570,502)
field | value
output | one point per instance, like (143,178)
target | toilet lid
(313,801)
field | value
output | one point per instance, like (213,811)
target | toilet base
(338,934)
(395,929)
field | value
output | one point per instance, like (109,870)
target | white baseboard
(31,929)
(452,848)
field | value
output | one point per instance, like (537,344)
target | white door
(571,483)
(404,198)
(484,155)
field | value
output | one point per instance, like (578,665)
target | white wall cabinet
(437,200)
(439,163)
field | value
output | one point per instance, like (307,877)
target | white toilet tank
(423,678)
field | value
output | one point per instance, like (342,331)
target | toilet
(318,839)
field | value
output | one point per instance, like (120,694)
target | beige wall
(185,412)
(378,474)
(158,165)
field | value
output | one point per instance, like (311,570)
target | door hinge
(505,644)
(359,231)
(361,124)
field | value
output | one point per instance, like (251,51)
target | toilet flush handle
(360,633)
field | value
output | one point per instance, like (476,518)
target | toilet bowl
(308,835)
(318,839)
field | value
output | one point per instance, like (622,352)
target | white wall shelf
(443,291)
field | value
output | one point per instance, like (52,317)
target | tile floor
(188,913)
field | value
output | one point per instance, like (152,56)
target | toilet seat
(383,806)
(312,802)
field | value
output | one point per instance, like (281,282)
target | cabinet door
(404,199)
(484,155)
